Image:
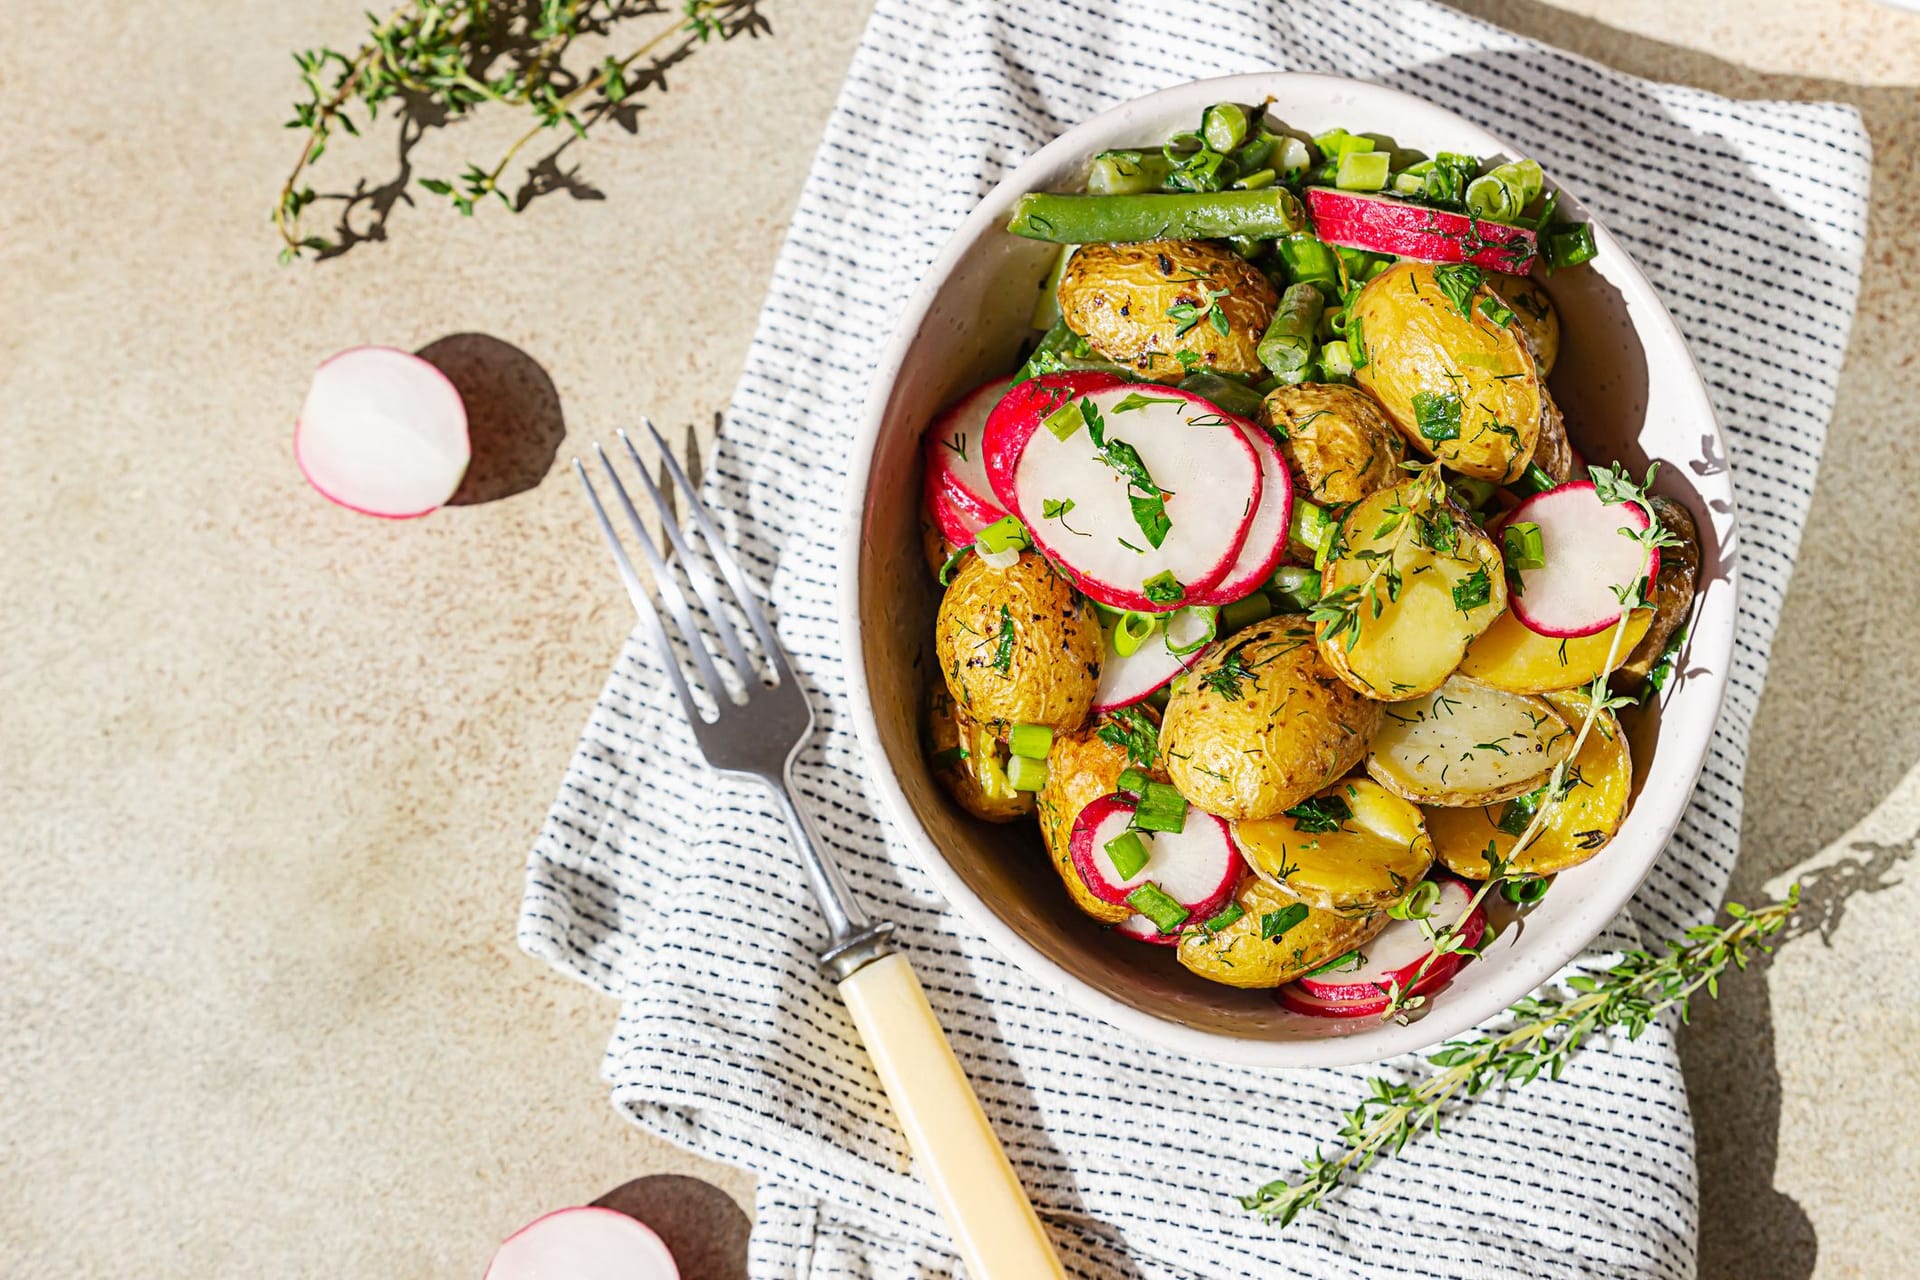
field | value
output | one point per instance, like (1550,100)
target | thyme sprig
(444,53)
(1548,1028)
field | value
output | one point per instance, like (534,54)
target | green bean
(1061,349)
(1310,261)
(1287,346)
(1125,173)
(1091,219)
(1236,398)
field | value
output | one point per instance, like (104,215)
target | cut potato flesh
(1353,848)
(1509,655)
(1597,790)
(1467,743)
(1416,580)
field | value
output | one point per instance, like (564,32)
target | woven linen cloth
(677,892)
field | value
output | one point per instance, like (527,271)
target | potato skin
(1418,344)
(1081,768)
(977,783)
(1117,297)
(1053,655)
(1553,451)
(1338,443)
(1533,310)
(1239,957)
(1250,745)
(1673,589)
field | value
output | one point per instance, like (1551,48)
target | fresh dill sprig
(1547,1029)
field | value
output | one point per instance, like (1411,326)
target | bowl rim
(1385,1040)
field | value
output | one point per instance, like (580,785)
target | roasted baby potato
(1511,655)
(1460,387)
(1139,304)
(1273,941)
(1017,645)
(971,763)
(1535,313)
(1467,744)
(1553,451)
(1354,848)
(1261,723)
(1597,791)
(1673,589)
(1414,580)
(1335,439)
(1081,768)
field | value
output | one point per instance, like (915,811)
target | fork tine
(736,578)
(703,584)
(669,591)
(637,591)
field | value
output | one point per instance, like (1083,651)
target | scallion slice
(1226,916)
(1524,893)
(1065,420)
(1131,630)
(1521,544)
(1312,526)
(1298,587)
(1161,808)
(1128,853)
(1223,126)
(1244,613)
(1571,245)
(1349,960)
(1025,773)
(1004,534)
(1152,902)
(1362,170)
(1192,627)
(1336,143)
(1132,781)
(1533,480)
(1033,741)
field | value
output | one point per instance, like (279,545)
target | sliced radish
(1395,955)
(1587,557)
(955,461)
(1196,455)
(583,1244)
(954,526)
(1382,224)
(383,433)
(1141,929)
(1298,999)
(1198,866)
(1266,540)
(1145,671)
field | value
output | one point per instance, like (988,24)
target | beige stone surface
(268,770)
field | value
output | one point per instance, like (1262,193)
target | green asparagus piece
(1310,261)
(1207,215)
(1287,346)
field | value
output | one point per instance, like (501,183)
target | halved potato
(1553,452)
(1673,589)
(1512,656)
(1143,304)
(1354,848)
(1535,313)
(1467,744)
(971,763)
(1459,386)
(1596,792)
(1018,645)
(1414,581)
(1081,768)
(1267,946)
(1335,440)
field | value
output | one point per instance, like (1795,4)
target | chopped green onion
(1571,247)
(1275,923)
(1004,534)
(1362,170)
(1336,362)
(1447,180)
(1046,308)
(1294,159)
(1128,854)
(1524,176)
(1223,126)
(1496,310)
(1161,808)
(1298,587)
(1033,741)
(1065,420)
(1192,627)
(946,570)
(1132,781)
(1127,173)
(1312,527)
(1255,153)
(1337,143)
(951,756)
(1524,893)
(1418,904)
(1518,815)
(1472,492)
(1226,916)
(1152,902)
(1131,631)
(1163,588)
(1350,960)
(1244,613)
(1522,547)
(1533,480)
(1504,191)
(1256,180)
(1025,773)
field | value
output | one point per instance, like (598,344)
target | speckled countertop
(268,770)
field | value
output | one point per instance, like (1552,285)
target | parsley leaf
(1459,281)
(1473,590)
(1275,923)
(1003,656)
(1437,413)
(1319,814)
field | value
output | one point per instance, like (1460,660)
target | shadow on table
(700,1224)
(513,414)
(1802,794)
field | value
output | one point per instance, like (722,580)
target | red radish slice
(1385,225)
(1299,1000)
(1142,673)
(383,433)
(1141,929)
(1195,454)
(1266,539)
(583,1244)
(1396,954)
(1586,558)
(954,526)
(955,459)
(1198,866)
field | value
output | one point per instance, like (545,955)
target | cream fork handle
(994,1227)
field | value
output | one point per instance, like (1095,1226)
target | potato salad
(1273,586)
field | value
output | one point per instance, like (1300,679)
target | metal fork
(757,731)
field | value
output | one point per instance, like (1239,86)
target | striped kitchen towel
(676,893)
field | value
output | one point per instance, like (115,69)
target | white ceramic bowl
(1630,392)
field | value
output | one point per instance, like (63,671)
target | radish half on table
(588,1243)
(1585,556)
(1150,668)
(1198,866)
(955,463)
(383,433)
(1381,224)
(1142,494)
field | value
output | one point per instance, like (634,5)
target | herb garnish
(1003,655)
(1275,923)
(1459,281)
(1319,814)
(1147,500)
(1133,731)
(1473,590)
(1188,314)
(1437,414)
